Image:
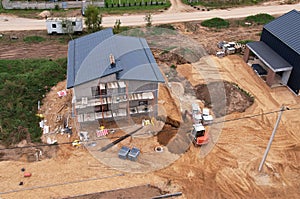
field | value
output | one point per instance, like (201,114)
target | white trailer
(64,25)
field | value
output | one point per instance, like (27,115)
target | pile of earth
(27,152)
(144,191)
(168,57)
(224,97)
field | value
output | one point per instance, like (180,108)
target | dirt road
(13,23)
(177,6)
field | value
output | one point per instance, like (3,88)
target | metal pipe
(168,195)
(271,140)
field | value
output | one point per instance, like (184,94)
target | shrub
(167,26)
(173,66)
(56,7)
(259,19)
(245,41)
(215,23)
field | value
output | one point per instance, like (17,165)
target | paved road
(9,23)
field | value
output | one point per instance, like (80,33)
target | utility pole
(271,139)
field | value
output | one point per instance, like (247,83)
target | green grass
(215,23)
(33,13)
(133,9)
(34,39)
(259,19)
(245,41)
(22,84)
(214,4)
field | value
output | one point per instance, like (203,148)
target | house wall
(288,54)
(84,90)
(135,86)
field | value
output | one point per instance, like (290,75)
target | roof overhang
(269,57)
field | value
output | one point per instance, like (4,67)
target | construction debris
(127,153)
(228,48)
(76,143)
(62,93)
(83,135)
(123,152)
(133,154)
(27,174)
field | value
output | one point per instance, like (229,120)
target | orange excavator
(200,136)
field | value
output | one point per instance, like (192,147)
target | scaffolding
(112,100)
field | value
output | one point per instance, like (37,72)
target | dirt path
(177,6)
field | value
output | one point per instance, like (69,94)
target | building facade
(279,50)
(112,77)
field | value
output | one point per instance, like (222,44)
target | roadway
(12,23)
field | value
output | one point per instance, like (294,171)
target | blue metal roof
(79,49)
(287,29)
(266,54)
(133,59)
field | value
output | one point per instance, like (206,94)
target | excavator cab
(200,136)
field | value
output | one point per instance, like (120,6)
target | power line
(61,184)
(256,115)
(229,120)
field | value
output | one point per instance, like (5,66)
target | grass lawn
(22,84)
(222,4)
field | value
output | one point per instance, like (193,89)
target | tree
(148,19)
(67,26)
(93,18)
(117,26)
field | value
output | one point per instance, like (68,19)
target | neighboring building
(64,25)
(112,77)
(279,50)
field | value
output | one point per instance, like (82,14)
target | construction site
(199,133)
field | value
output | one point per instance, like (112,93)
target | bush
(245,41)
(167,26)
(215,23)
(56,7)
(173,66)
(259,19)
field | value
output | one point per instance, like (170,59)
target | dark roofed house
(112,76)
(279,50)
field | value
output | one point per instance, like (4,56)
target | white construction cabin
(59,25)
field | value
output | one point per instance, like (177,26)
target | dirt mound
(29,153)
(168,57)
(146,191)
(45,14)
(235,99)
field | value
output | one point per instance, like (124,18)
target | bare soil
(145,191)
(228,171)
(236,99)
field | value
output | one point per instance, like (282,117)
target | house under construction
(113,77)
